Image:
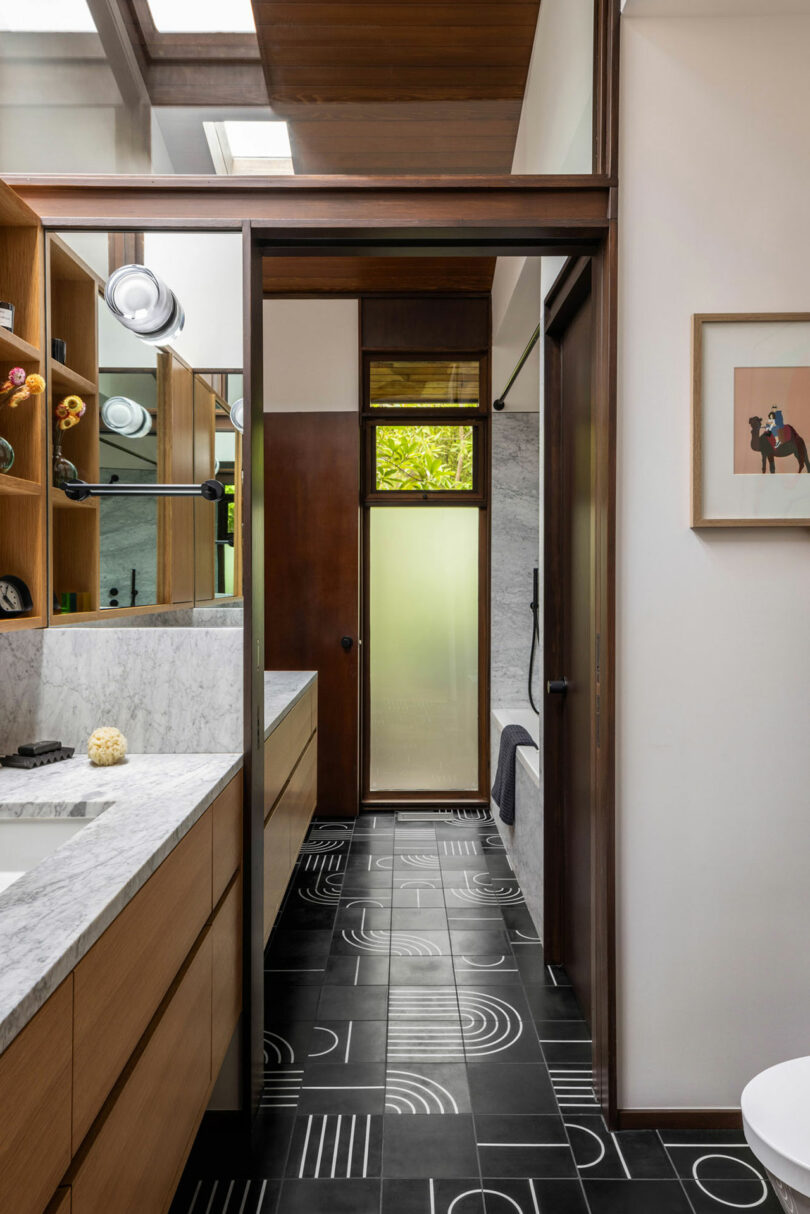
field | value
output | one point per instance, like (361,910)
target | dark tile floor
(421,1058)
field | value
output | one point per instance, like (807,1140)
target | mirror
(129,429)
(151,416)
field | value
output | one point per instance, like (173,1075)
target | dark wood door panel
(312,580)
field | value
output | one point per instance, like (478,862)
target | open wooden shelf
(60,501)
(16,486)
(65,381)
(23,536)
(72,312)
(15,349)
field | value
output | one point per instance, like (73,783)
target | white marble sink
(32,830)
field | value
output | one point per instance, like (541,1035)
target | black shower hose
(535,639)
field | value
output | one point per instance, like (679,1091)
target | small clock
(15,597)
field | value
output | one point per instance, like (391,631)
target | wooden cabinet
(290,779)
(123,978)
(23,490)
(282,748)
(227,836)
(61,1203)
(226,997)
(132,1163)
(35,1076)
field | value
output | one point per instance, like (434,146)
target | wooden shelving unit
(72,315)
(23,488)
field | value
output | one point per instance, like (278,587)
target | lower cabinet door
(132,1159)
(35,1107)
(226,941)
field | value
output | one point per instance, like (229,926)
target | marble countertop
(54,913)
(282,691)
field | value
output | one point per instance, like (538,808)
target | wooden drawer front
(132,1161)
(227,835)
(313,703)
(122,980)
(226,938)
(304,790)
(277,865)
(282,748)
(35,1106)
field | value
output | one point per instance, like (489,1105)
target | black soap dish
(37,754)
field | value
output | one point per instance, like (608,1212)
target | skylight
(256,140)
(202,16)
(258,147)
(47,16)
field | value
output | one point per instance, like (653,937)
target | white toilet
(776,1119)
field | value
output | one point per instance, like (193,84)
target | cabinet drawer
(304,790)
(227,835)
(282,748)
(132,1160)
(276,865)
(226,939)
(35,1078)
(125,975)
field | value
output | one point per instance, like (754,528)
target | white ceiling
(714,8)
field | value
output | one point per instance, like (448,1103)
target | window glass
(423,385)
(426,458)
(423,638)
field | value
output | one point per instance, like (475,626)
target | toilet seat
(776,1120)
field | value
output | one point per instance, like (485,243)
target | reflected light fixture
(238,415)
(126,417)
(144,304)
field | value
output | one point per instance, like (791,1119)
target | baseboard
(679,1119)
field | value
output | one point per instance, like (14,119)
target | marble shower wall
(173,690)
(514,550)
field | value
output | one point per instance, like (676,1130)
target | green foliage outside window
(424,458)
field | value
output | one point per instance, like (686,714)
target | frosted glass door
(423,649)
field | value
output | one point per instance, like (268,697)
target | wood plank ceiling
(351,276)
(398,86)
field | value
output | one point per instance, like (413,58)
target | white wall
(311,355)
(714,642)
(204,269)
(555,124)
(61,110)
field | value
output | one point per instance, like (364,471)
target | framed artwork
(751,420)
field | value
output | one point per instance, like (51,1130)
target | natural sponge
(106,746)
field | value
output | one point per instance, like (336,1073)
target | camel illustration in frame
(751,420)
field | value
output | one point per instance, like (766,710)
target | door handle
(557,687)
(347,643)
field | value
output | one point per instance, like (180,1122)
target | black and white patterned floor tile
(422,1058)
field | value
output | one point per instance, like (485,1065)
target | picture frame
(751,419)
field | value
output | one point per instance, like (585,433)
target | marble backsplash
(515,547)
(169,690)
(178,617)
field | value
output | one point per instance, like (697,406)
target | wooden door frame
(582,278)
(484,216)
(481,420)
(596,261)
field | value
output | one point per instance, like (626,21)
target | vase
(63,469)
(6,455)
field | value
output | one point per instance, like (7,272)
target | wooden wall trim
(253,591)
(679,1119)
(559,206)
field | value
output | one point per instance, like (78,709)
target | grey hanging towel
(503,790)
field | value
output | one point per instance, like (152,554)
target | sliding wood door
(312,579)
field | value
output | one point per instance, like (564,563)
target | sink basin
(32,830)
